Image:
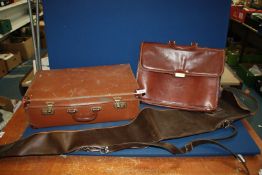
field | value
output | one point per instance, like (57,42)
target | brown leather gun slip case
(81,95)
(150,128)
(184,77)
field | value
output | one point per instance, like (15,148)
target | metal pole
(38,36)
(33,32)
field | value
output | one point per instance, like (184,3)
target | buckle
(226,124)
(101,149)
(189,147)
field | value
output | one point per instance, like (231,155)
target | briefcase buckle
(180,75)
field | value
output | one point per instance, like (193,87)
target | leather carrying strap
(175,150)
(148,129)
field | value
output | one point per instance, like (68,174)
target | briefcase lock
(119,104)
(48,109)
(180,75)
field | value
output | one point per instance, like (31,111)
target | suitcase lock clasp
(119,104)
(71,110)
(48,109)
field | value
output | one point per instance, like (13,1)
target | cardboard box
(43,40)
(42,34)
(239,12)
(3,69)
(24,45)
(11,60)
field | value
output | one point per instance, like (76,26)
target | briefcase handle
(173,45)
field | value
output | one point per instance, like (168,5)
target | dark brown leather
(148,129)
(161,67)
(6,104)
(82,95)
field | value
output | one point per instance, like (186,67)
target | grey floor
(9,87)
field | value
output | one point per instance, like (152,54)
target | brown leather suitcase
(182,77)
(82,95)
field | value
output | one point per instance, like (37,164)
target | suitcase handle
(87,118)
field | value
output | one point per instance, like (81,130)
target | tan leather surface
(198,90)
(81,90)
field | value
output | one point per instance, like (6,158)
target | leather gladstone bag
(82,95)
(184,77)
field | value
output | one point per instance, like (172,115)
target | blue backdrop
(103,32)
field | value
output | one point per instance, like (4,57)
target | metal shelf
(13,5)
(16,24)
(17,13)
(247,34)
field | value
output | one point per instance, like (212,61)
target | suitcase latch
(119,104)
(96,109)
(71,110)
(48,109)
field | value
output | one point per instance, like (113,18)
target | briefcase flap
(182,60)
